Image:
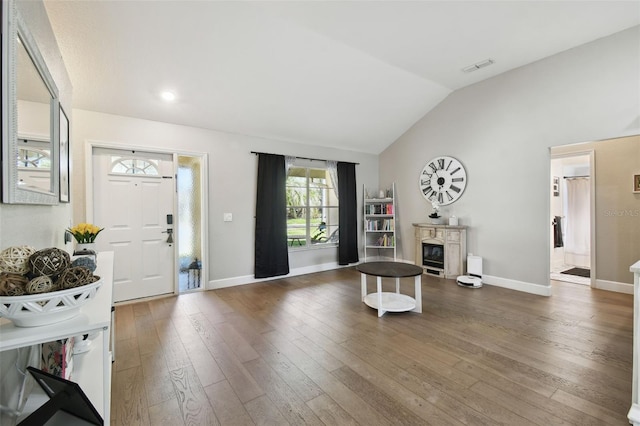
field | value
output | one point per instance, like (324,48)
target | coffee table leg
(418,293)
(363,285)
(398,285)
(379,285)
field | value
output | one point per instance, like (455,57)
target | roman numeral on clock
(457,179)
(455,188)
(441,163)
(433,167)
(448,195)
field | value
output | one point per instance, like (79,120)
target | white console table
(91,370)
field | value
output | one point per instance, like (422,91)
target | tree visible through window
(312,208)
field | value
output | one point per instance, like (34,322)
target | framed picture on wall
(636,183)
(64,157)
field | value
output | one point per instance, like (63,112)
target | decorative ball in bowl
(42,287)
(46,308)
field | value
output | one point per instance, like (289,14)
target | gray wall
(501,129)
(232,183)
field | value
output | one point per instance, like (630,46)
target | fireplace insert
(433,255)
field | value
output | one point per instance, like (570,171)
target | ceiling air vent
(478,65)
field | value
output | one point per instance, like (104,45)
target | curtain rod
(304,158)
(574,177)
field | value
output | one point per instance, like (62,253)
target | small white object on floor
(474,270)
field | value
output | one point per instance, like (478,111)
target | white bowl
(46,308)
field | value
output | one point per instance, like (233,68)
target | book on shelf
(57,357)
(386,241)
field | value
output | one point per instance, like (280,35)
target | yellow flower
(85,232)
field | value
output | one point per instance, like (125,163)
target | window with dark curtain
(271,254)
(348,216)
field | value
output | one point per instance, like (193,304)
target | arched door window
(134,166)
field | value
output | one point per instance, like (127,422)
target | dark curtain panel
(271,253)
(348,215)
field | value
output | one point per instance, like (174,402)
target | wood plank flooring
(306,350)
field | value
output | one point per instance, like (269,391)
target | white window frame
(307,242)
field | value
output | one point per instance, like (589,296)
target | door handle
(170,237)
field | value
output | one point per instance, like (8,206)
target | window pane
(34,158)
(296,196)
(190,222)
(312,207)
(133,166)
(316,197)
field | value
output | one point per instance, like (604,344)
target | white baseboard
(634,415)
(486,279)
(540,290)
(614,286)
(249,279)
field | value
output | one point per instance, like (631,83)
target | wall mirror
(30,129)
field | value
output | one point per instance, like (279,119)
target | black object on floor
(580,272)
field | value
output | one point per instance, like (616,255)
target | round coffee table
(388,301)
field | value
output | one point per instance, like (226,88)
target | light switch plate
(228,217)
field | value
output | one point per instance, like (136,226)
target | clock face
(443,179)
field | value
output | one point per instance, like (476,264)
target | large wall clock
(443,179)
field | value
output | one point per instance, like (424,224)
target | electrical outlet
(228,217)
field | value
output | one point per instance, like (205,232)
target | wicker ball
(41,284)
(75,276)
(16,259)
(50,262)
(12,284)
(85,262)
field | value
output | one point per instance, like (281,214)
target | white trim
(486,279)
(634,415)
(614,286)
(249,279)
(532,288)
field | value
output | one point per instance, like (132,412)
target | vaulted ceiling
(354,74)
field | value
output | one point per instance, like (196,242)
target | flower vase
(85,248)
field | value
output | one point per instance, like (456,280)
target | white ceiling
(354,75)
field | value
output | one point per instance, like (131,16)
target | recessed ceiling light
(168,96)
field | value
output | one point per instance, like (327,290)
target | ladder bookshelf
(379,224)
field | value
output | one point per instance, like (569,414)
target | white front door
(133,192)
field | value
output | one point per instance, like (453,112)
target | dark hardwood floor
(306,350)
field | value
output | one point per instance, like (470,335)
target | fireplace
(433,255)
(434,242)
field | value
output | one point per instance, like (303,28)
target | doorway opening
(190,228)
(571,209)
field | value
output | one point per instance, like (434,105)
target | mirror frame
(13,26)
